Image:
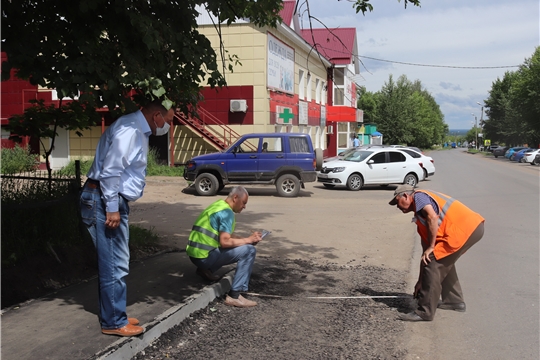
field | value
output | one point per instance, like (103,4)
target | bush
(153,167)
(17,160)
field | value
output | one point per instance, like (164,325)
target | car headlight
(338,169)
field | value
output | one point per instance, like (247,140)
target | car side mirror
(371,162)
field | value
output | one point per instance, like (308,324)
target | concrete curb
(126,348)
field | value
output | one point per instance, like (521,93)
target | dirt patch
(293,326)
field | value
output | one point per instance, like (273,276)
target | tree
(119,54)
(513,105)
(364,5)
(405,113)
(103,50)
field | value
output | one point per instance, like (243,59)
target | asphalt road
(500,274)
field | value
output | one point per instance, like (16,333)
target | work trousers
(243,255)
(440,281)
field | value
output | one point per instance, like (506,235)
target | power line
(439,66)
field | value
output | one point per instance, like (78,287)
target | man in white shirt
(117,176)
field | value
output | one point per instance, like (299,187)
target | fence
(38,214)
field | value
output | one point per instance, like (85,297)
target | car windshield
(358,155)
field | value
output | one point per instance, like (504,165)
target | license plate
(323,176)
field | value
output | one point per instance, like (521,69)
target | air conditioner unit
(330,129)
(238,106)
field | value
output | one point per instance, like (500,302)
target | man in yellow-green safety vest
(212,245)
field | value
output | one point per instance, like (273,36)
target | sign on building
(284,115)
(302,113)
(280,67)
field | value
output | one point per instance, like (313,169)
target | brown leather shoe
(133,321)
(207,275)
(128,330)
(241,302)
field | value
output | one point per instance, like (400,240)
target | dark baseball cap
(399,190)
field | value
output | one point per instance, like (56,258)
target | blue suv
(286,160)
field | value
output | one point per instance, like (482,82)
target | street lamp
(481,121)
(475,131)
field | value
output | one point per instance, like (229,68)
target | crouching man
(212,245)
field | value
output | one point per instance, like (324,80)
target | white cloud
(456,33)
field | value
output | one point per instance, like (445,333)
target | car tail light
(421,165)
(432,161)
(314,163)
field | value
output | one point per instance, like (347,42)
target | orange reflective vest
(456,224)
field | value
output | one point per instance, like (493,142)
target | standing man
(447,229)
(117,176)
(212,245)
(355,142)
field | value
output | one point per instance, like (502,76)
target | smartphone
(264,233)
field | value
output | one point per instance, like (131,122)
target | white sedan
(529,156)
(426,162)
(374,166)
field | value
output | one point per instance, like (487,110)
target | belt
(92,184)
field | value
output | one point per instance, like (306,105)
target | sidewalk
(162,291)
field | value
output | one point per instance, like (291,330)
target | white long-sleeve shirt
(121,159)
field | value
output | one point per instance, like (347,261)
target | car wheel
(425,175)
(532,162)
(206,184)
(220,187)
(328,186)
(355,182)
(318,159)
(496,156)
(288,185)
(410,179)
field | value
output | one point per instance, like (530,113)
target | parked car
(508,154)
(286,160)
(426,162)
(499,151)
(518,155)
(380,166)
(492,147)
(350,150)
(529,156)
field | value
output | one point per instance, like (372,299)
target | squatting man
(212,245)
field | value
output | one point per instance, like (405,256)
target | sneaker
(241,302)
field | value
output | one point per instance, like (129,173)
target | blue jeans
(112,248)
(243,255)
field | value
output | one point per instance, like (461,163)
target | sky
(446,33)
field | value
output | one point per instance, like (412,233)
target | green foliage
(405,113)
(155,169)
(104,49)
(69,169)
(139,236)
(364,5)
(37,214)
(18,160)
(513,105)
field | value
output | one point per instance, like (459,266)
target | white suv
(372,166)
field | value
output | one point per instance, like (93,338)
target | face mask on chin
(162,130)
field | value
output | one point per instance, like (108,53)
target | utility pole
(481,120)
(475,131)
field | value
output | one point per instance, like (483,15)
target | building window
(339,86)
(308,87)
(301,84)
(318,91)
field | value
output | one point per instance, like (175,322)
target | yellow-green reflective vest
(203,238)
